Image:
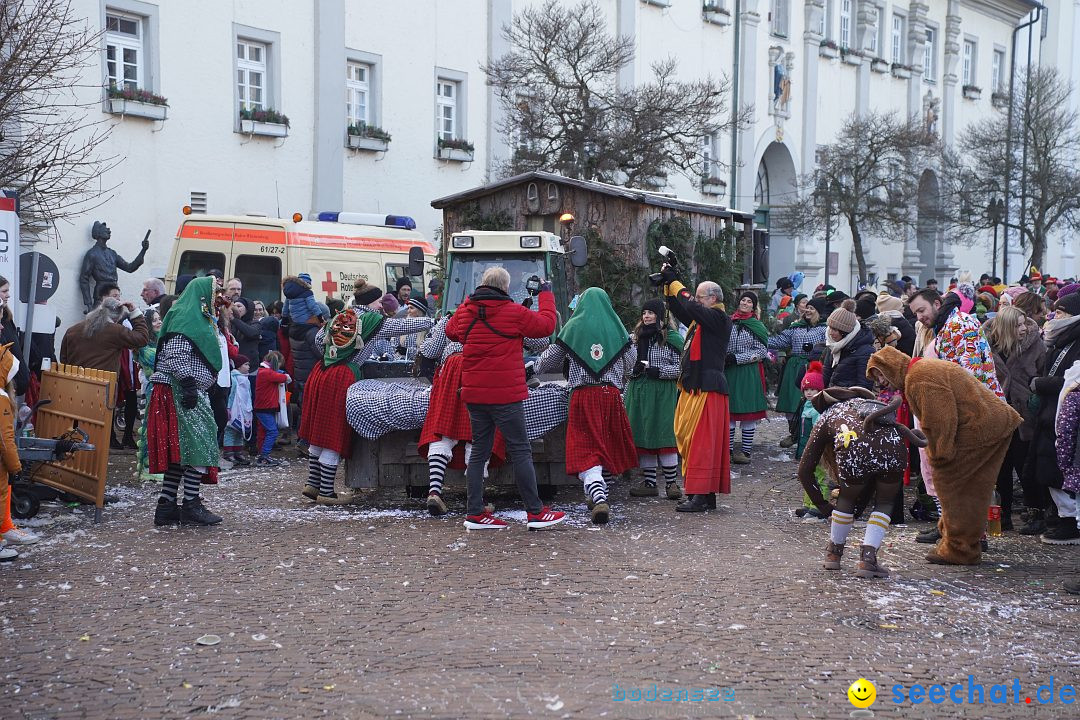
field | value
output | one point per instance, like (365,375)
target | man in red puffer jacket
(491,326)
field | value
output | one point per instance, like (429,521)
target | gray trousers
(510,420)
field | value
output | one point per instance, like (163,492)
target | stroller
(26,496)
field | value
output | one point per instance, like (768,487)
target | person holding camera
(651,397)
(701,415)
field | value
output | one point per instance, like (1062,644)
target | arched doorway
(928,227)
(774,191)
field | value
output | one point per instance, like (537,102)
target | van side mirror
(579,251)
(416,261)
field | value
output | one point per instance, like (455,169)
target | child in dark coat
(300,305)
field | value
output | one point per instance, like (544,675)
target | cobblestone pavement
(381,611)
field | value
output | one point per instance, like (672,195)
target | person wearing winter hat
(746,352)
(801,340)
(1010,294)
(403,290)
(408,345)
(299,305)
(812,383)
(365,294)
(848,346)
(435,288)
(1069,289)
(784,288)
(651,396)
(389,304)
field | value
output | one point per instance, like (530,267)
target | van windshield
(467,269)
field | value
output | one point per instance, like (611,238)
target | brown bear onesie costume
(968,429)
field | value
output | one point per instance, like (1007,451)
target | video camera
(655,279)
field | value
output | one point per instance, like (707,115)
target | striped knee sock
(841,526)
(671,474)
(596,489)
(327,473)
(170,486)
(937,504)
(436,472)
(192,479)
(748,431)
(731,437)
(649,474)
(875,529)
(313,476)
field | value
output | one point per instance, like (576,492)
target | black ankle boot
(697,503)
(193,512)
(166,513)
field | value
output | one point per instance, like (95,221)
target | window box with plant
(1000,99)
(456,149)
(902,71)
(135,102)
(972,92)
(828,49)
(362,136)
(264,122)
(714,12)
(879,65)
(850,56)
(713,185)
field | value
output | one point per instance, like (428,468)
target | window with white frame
(930,55)
(823,24)
(969,62)
(846,11)
(710,168)
(997,71)
(898,39)
(778,17)
(358,93)
(446,108)
(124,50)
(251,74)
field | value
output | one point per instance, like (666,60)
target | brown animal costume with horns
(968,429)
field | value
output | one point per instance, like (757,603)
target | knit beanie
(365,294)
(305,277)
(658,308)
(865,307)
(419,302)
(821,305)
(814,379)
(1070,304)
(1068,289)
(390,304)
(844,318)
(402,282)
(1011,294)
(888,303)
(988,289)
(749,294)
(240,360)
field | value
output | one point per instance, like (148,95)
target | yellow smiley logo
(862,693)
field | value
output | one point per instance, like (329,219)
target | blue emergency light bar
(397,221)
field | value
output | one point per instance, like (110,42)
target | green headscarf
(595,335)
(192,315)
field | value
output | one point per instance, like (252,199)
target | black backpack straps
(481,316)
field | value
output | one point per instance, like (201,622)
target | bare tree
(50,138)
(1044,177)
(868,179)
(566,112)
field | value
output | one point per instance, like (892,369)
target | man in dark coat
(701,416)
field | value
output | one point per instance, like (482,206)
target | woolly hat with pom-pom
(844,318)
(814,379)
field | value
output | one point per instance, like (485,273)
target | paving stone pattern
(378,611)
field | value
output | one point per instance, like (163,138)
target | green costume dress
(650,402)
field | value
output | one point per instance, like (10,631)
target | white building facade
(413,70)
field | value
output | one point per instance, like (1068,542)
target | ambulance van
(335,249)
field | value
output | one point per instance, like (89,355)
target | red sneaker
(544,518)
(484,521)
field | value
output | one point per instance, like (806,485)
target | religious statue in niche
(782,65)
(931,112)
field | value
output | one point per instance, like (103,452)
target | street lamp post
(995,212)
(823,195)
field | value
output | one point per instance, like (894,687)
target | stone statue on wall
(101,262)
(931,111)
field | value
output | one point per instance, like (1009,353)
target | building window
(898,39)
(845,22)
(124,51)
(710,168)
(446,108)
(251,74)
(969,62)
(823,24)
(997,71)
(358,93)
(779,18)
(929,56)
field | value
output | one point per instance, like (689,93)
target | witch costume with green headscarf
(181,431)
(746,375)
(599,358)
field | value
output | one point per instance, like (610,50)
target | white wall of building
(197,149)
